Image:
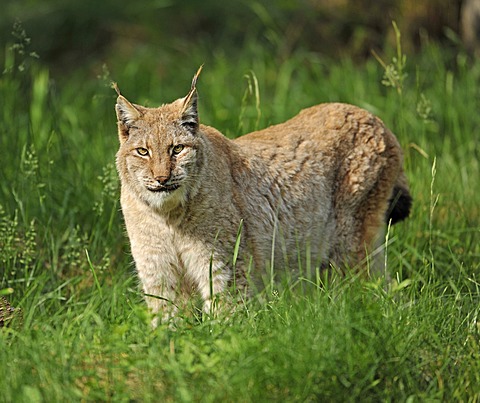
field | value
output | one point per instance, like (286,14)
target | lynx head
(160,150)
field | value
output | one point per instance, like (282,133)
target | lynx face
(160,150)
(158,165)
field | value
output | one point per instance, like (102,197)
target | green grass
(64,256)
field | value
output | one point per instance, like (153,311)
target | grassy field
(64,256)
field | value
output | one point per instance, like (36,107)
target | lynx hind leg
(360,237)
(375,256)
(372,225)
(365,188)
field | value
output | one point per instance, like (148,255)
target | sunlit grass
(64,258)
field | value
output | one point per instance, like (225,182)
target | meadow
(84,334)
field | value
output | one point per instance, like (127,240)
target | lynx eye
(142,151)
(177,149)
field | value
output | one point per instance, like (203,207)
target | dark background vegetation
(68,34)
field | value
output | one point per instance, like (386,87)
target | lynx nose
(162,180)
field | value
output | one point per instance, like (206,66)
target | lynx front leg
(212,286)
(159,287)
(226,289)
(211,277)
(161,304)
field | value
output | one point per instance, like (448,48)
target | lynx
(320,186)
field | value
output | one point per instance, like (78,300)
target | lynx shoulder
(320,186)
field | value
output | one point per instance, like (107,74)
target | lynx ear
(189,116)
(127,114)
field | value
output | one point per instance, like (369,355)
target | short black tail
(400,205)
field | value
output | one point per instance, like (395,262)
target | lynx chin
(322,184)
